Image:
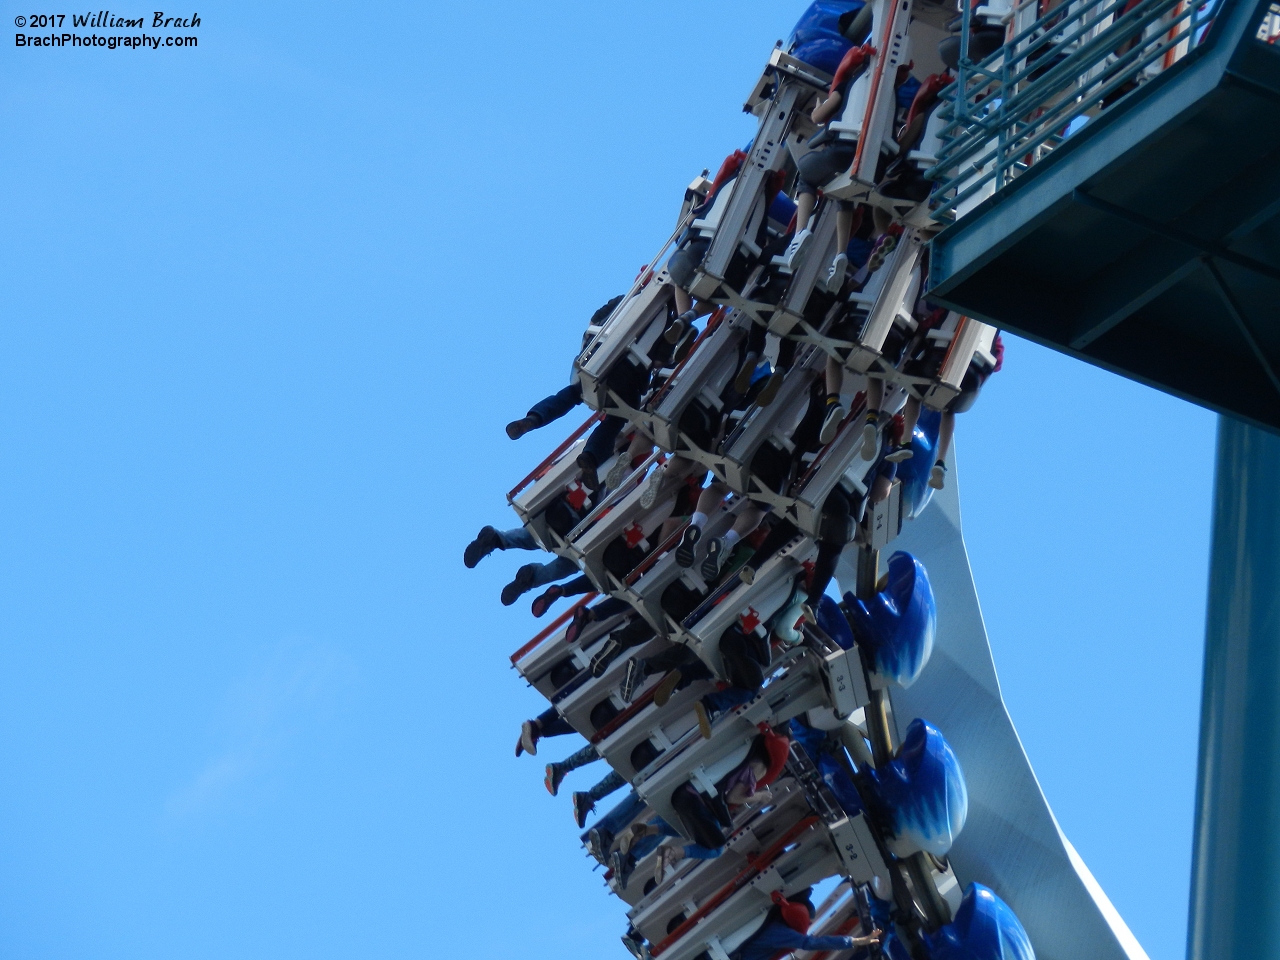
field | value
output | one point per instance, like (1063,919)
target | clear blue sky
(267,306)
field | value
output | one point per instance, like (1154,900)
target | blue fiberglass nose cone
(984,928)
(816,38)
(896,626)
(922,793)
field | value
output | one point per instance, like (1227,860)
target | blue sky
(268,304)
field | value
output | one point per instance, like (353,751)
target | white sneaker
(938,475)
(652,487)
(619,471)
(796,248)
(835,276)
(747,575)
(831,425)
(870,440)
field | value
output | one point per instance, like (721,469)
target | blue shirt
(776,936)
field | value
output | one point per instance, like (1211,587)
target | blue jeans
(544,573)
(691,850)
(557,569)
(614,781)
(517,539)
(558,404)
(727,699)
(600,443)
(622,814)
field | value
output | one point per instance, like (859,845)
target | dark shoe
(634,945)
(590,479)
(686,552)
(581,617)
(770,390)
(681,323)
(742,383)
(519,586)
(711,565)
(831,425)
(518,428)
(486,541)
(635,675)
(681,350)
(582,807)
(600,662)
(554,777)
(666,686)
(885,244)
(542,603)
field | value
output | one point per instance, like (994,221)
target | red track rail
(541,469)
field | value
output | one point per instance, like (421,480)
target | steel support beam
(1235,875)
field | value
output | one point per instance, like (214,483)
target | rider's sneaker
(870,438)
(652,487)
(518,428)
(600,662)
(704,719)
(618,472)
(770,390)
(795,249)
(634,676)
(711,565)
(554,777)
(529,737)
(686,552)
(835,275)
(521,584)
(938,475)
(681,323)
(486,541)
(742,382)
(582,807)
(831,425)
(666,686)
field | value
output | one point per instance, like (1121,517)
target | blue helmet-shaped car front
(922,793)
(984,928)
(816,38)
(897,625)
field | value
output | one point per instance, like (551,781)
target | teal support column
(1235,869)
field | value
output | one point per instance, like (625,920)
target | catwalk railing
(1051,77)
